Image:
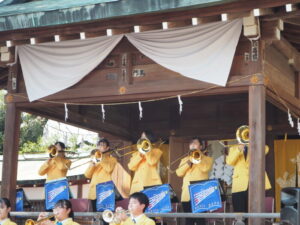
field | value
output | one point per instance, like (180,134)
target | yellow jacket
(99,173)
(55,168)
(144,220)
(146,169)
(8,222)
(240,177)
(195,172)
(68,221)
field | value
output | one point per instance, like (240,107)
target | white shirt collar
(2,221)
(65,220)
(137,218)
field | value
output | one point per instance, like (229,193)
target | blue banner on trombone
(159,199)
(105,196)
(20,200)
(205,196)
(55,191)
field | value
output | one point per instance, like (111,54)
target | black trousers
(240,201)
(191,221)
(95,210)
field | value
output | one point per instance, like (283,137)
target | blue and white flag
(205,196)
(55,191)
(159,199)
(20,200)
(105,196)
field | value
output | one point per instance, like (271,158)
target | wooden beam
(289,51)
(257,117)
(235,7)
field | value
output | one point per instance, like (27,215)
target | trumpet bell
(98,155)
(30,222)
(144,145)
(110,217)
(52,150)
(242,134)
(195,156)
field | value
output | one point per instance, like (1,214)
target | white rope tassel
(180,104)
(103,112)
(66,112)
(141,110)
(290,118)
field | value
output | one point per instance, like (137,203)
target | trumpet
(242,137)
(111,217)
(33,222)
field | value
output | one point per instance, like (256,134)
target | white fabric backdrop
(53,67)
(203,52)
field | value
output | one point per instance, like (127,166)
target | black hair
(150,135)
(201,141)
(142,198)
(197,138)
(64,203)
(103,140)
(61,144)
(6,202)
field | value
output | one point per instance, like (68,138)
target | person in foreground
(4,212)
(63,214)
(138,202)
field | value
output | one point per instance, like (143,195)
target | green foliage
(31,129)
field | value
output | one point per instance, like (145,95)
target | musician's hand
(189,163)
(121,214)
(241,148)
(43,215)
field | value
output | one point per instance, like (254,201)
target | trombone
(143,145)
(53,151)
(33,222)
(195,156)
(242,137)
(111,217)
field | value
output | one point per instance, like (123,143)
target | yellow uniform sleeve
(89,171)
(233,156)
(135,160)
(108,165)
(44,168)
(206,164)
(183,167)
(153,156)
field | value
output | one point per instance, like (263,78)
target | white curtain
(203,52)
(52,67)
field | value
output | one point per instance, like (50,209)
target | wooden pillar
(79,190)
(10,153)
(11,142)
(257,120)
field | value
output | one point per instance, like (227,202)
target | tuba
(111,217)
(33,222)
(143,145)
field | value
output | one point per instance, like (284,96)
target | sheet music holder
(26,202)
(223,195)
(173,195)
